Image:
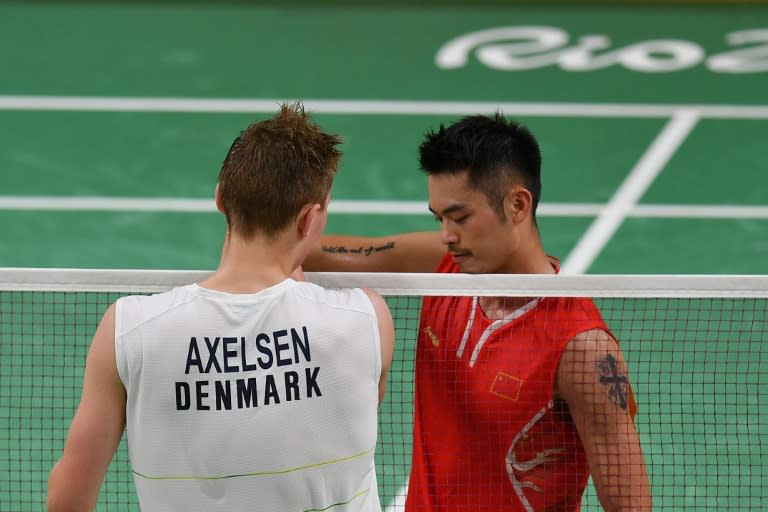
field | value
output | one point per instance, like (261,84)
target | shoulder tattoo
(613,377)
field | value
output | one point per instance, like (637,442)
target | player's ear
(518,204)
(217,198)
(309,220)
(313,217)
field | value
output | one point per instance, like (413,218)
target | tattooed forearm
(615,379)
(365,251)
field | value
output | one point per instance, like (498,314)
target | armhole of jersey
(376,333)
(120,362)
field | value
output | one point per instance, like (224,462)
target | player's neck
(528,260)
(250,266)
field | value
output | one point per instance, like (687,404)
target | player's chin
(468,266)
(473,265)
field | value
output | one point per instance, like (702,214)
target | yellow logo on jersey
(435,341)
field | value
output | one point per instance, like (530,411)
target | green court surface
(115,116)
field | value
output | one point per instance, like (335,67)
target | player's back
(265,401)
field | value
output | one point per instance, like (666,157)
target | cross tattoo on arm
(616,381)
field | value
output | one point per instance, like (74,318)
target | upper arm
(592,378)
(409,252)
(96,428)
(386,337)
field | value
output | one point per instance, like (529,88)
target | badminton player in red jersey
(518,400)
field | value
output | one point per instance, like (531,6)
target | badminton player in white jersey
(250,390)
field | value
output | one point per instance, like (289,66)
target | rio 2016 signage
(531,47)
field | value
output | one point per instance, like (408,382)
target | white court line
(170,204)
(699,211)
(371,207)
(106,204)
(395,107)
(629,193)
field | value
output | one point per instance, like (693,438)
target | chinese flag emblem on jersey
(506,386)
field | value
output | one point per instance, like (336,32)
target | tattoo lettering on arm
(612,376)
(339,249)
(367,251)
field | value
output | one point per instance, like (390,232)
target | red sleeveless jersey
(488,434)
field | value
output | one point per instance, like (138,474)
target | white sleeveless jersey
(261,402)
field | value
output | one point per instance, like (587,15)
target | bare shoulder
(386,336)
(379,304)
(384,318)
(105,332)
(590,342)
(592,361)
(587,350)
(101,355)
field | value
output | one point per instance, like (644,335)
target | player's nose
(448,236)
